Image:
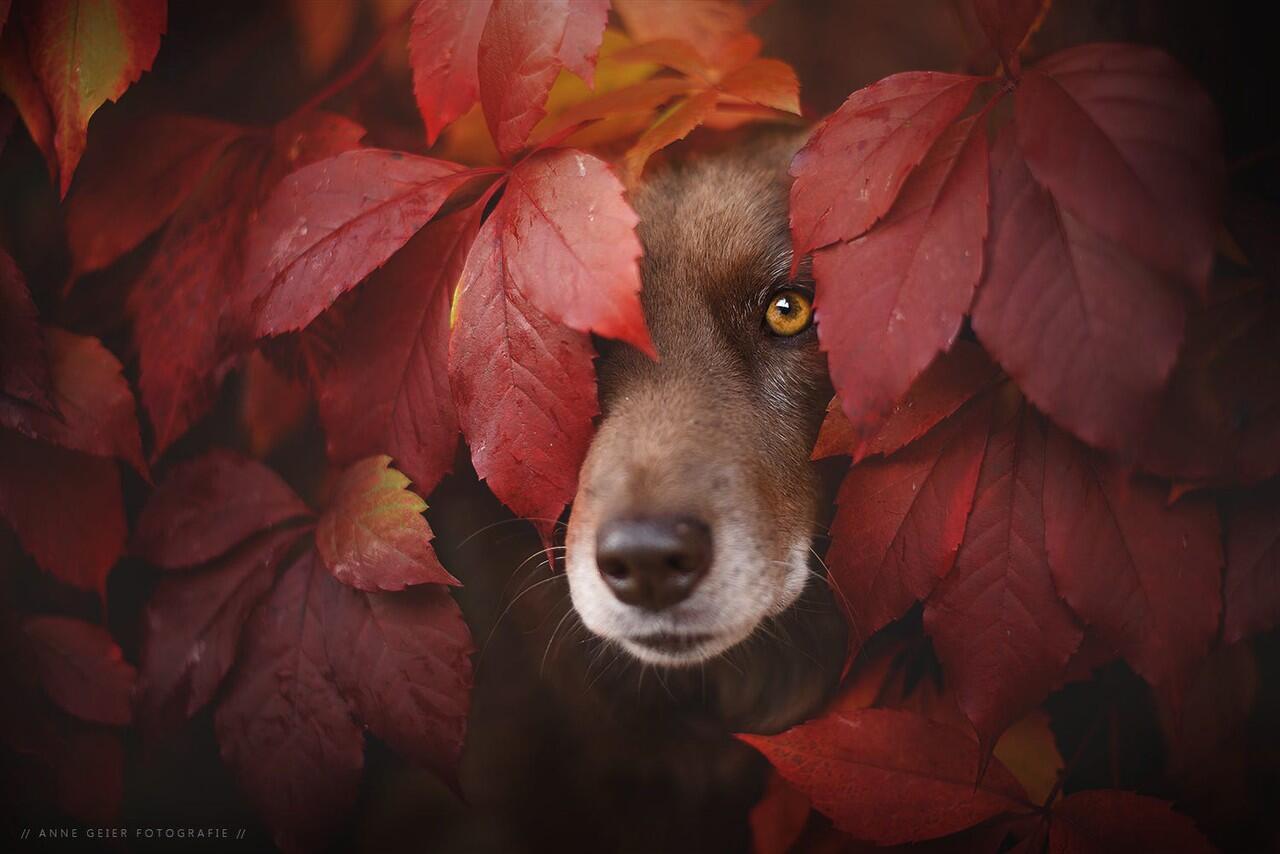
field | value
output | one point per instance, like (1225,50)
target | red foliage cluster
(1044,391)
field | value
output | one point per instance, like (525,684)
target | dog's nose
(653,562)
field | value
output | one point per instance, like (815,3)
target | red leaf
(1008,22)
(714,28)
(443,41)
(197,272)
(849,173)
(767,82)
(946,385)
(18,81)
(194,273)
(1252,588)
(65,507)
(24,364)
(390,388)
(85,53)
(404,663)
(95,409)
(888,302)
(1129,144)
(1061,307)
(568,243)
(1002,633)
(1219,419)
(673,125)
(778,818)
(889,776)
(194,624)
(640,98)
(330,224)
(522,49)
(1145,575)
(373,536)
(1111,822)
(283,726)
(675,53)
(207,506)
(899,520)
(120,201)
(524,387)
(82,669)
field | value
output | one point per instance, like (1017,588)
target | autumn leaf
(899,520)
(997,624)
(1146,576)
(283,726)
(24,362)
(850,172)
(330,224)
(44,493)
(82,669)
(207,506)
(1251,591)
(888,302)
(443,41)
(1218,419)
(778,818)
(93,408)
(373,536)
(889,776)
(116,204)
(524,387)
(390,390)
(324,31)
(567,237)
(19,82)
(1121,137)
(194,622)
(946,385)
(672,125)
(1060,307)
(404,663)
(1106,821)
(1029,751)
(715,29)
(84,53)
(198,271)
(522,49)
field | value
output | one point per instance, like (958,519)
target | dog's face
(696,504)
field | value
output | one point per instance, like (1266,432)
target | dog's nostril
(653,562)
(613,568)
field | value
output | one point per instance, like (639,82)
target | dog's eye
(789,313)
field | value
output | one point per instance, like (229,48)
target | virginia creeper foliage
(1056,383)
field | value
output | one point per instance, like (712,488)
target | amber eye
(789,313)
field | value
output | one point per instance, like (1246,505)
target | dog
(603,716)
(694,516)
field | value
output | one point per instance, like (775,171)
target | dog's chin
(680,649)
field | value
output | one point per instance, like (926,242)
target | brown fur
(574,745)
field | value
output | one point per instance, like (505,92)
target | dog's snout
(653,562)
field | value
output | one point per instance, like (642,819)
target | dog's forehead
(715,228)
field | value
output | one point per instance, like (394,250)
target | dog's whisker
(515,574)
(507,610)
(554,524)
(543,666)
